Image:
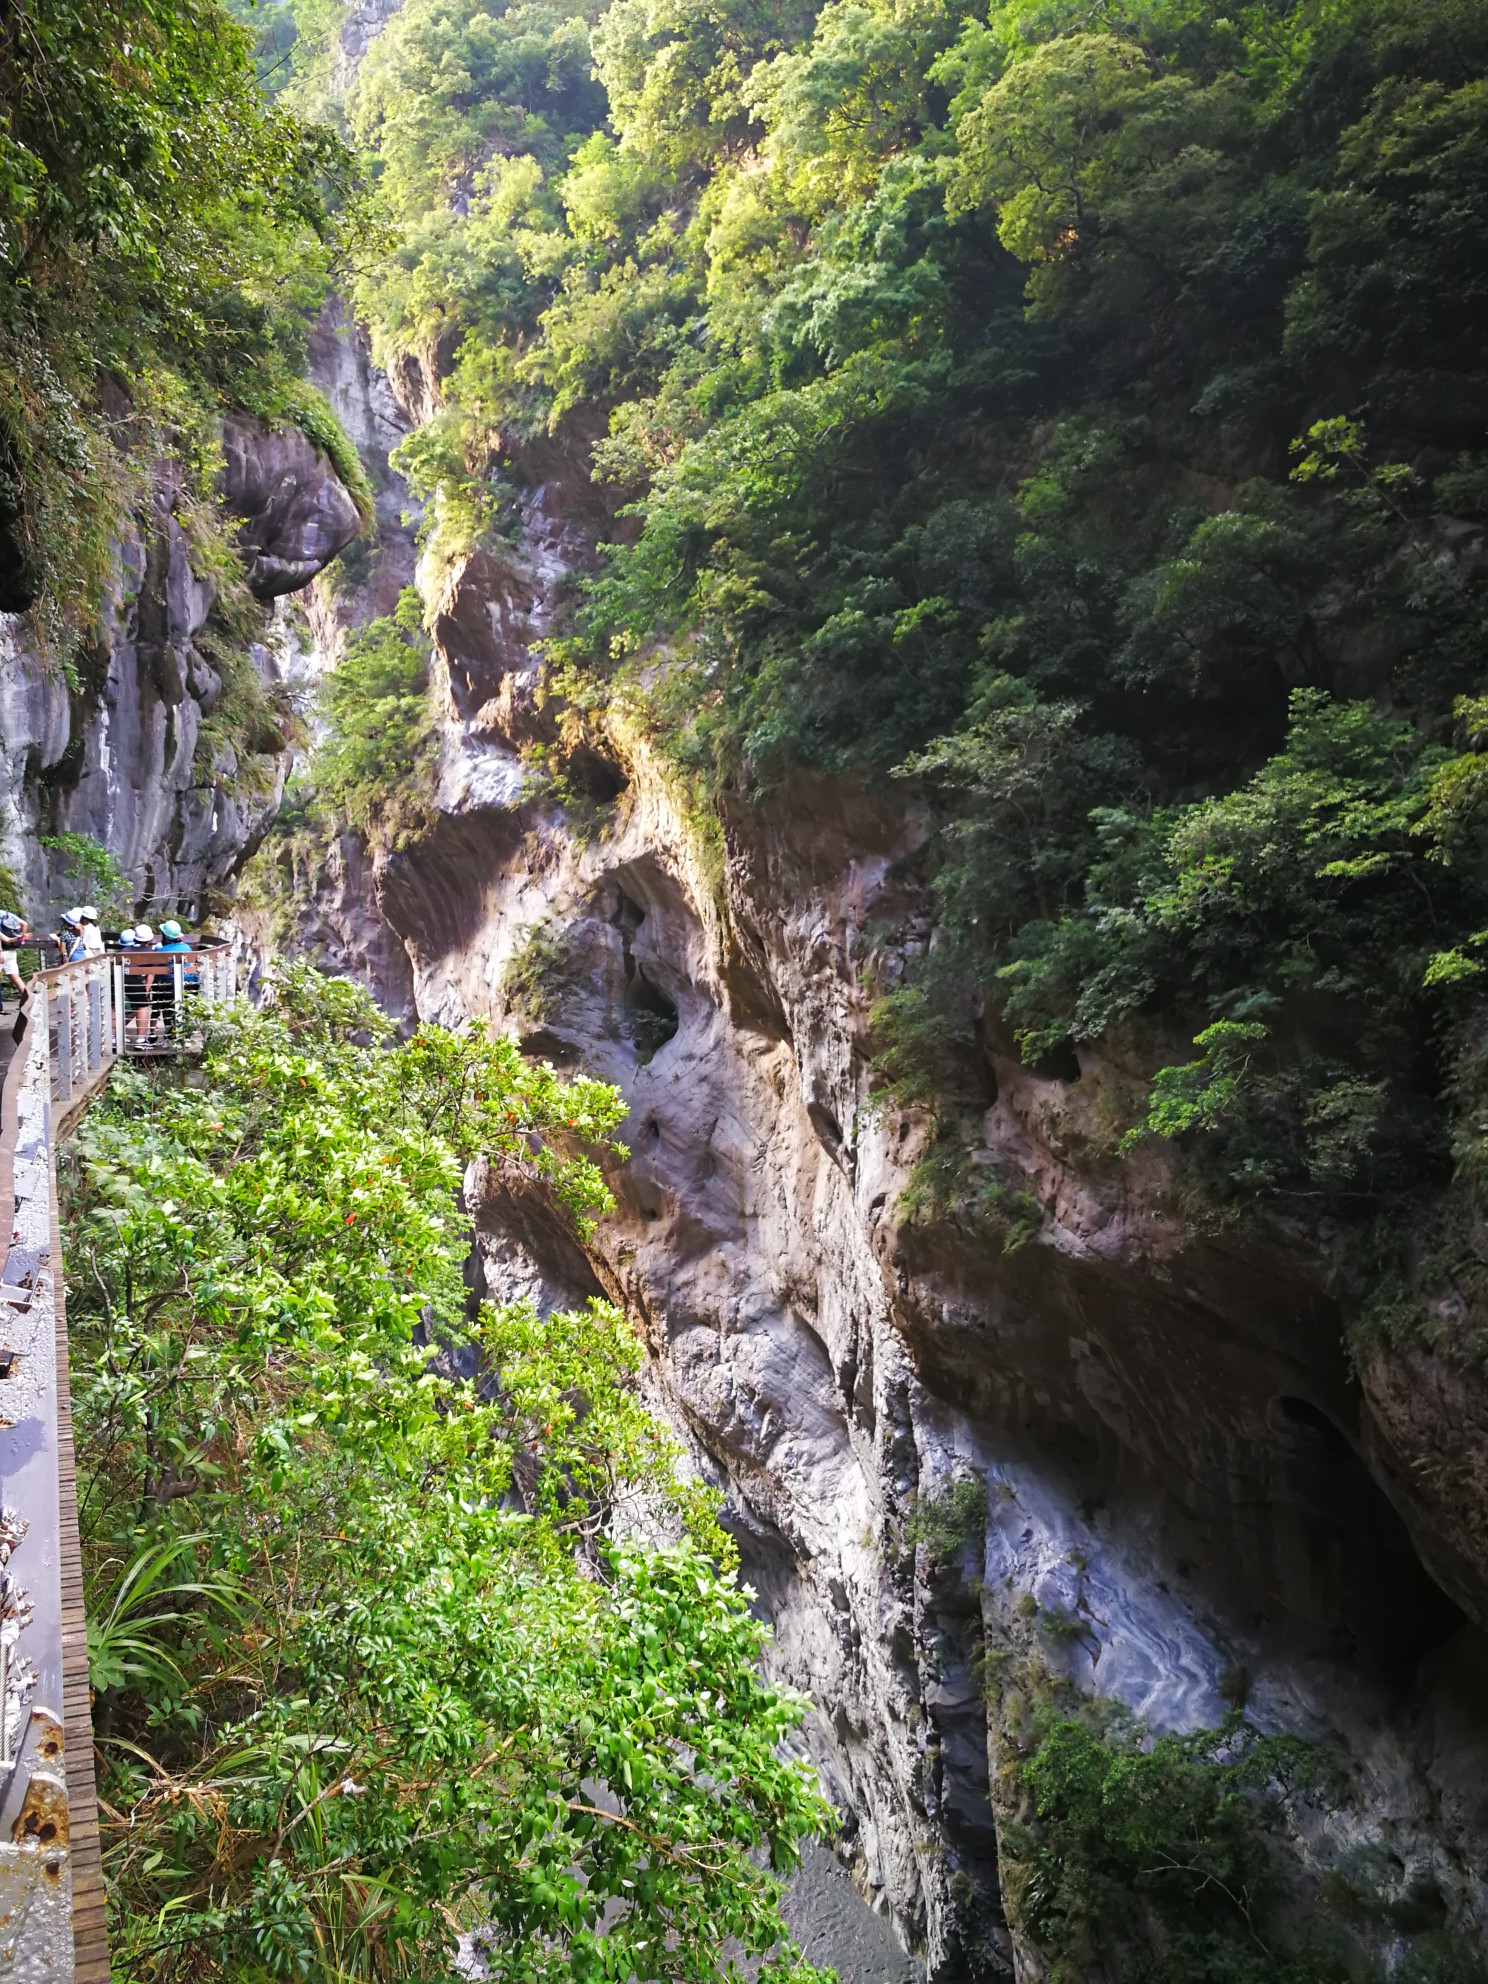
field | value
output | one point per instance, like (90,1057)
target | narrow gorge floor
(836,1927)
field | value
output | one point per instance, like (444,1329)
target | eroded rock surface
(1190,1502)
(141,753)
(296,512)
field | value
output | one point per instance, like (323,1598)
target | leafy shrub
(1155,1858)
(950,1523)
(87,872)
(376,766)
(537,972)
(373,1670)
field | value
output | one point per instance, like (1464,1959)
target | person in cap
(172,938)
(137,989)
(14,931)
(69,939)
(93,944)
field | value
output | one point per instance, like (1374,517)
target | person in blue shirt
(70,940)
(173,938)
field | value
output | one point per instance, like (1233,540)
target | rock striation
(1190,1500)
(139,750)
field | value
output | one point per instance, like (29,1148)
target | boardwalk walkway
(76,1023)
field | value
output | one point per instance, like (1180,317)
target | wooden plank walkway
(89,1928)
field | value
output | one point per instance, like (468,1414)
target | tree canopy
(165,236)
(380,1659)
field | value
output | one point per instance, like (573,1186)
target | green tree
(376,1668)
(376,765)
(160,225)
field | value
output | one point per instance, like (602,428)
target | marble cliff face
(1190,1500)
(127,753)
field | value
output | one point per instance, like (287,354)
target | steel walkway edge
(73,1028)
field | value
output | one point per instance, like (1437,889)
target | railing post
(64,1040)
(116,991)
(95,1018)
(178,992)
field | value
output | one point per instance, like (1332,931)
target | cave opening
(1354,1569)
(597,777)
(654,1019)
(1061,1063)
(650,1012)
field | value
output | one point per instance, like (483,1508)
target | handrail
(111,1004)
(51,1897)
(10,1119)
(51,1888)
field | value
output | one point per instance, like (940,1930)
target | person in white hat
(137,989)
(93,944)
(14,931)
(69,939)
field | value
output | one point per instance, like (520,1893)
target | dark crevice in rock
(652,1018)
(19,588)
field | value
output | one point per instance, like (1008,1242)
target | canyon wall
(141,746)
(1190,1505)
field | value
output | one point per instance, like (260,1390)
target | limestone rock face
(296,512)
(140,753)
(1190,1499)
(377,567)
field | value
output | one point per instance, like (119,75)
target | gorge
(879,582)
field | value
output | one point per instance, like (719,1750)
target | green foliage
(1157,1856)
(376,766)
(298,403)
(12,895)
(940,374)
(129,1638)
(85,871)
(950,1523)
(945,1189)
(537,973)
(1202,1094)
(160,225)
(373,1669)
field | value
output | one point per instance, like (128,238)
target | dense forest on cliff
(166,236)
(1069,415)
(1074,411)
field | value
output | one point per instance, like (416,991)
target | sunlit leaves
(374,1670)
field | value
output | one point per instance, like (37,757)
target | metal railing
(51,1882)
(124,1003)
(75,1024)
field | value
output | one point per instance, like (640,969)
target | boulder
(296,511)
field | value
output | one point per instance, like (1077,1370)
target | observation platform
(75,1025)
